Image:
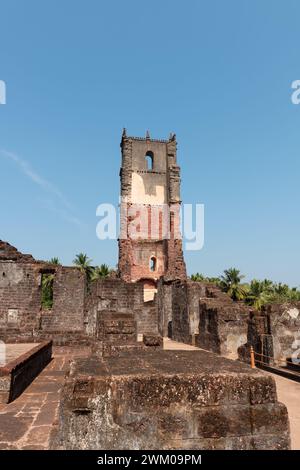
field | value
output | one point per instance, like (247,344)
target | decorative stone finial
(124,134)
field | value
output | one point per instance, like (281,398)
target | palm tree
(282,290)
(101,272)
(259,293)
(294,294)
(200,278)
(197,277)
(230,282)
(283,293)
(213,280)
(47,290)
(55,261)
(84,265)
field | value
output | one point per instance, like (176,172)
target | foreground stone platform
(26,423)
(22,363)
(169,400)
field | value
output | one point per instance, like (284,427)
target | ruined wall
(162,400)
(21,313)
(119,297)
(68,301)
(185,310)
(164,307)
(285,328)
(274,333)
(202,315)
(178,308)
(20,296)
(222,327)
(75,307)
(10,253)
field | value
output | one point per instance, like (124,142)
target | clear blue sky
(217,73)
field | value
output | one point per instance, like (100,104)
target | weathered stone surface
(284,324)
(167,400)
(199,313)
(16,375)
(21,315)
(153,341)
(10,253)
(28,421)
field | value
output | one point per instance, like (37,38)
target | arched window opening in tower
(153,264)
(149,160)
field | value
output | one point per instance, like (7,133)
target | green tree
(201,278)
(197,277)
(101,272)
(294,294)
(55,261)
(256,294)
(47,291)
(84,265)
(259,293)
(230,282)
(283,293)
(213,280)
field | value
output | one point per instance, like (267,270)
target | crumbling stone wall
(274,333)
(10,253)
(75,307)
(119,297)
(285,328)
(185,310)
(67,313)
(178,308)
(21,315)
(20,297)
(114,328)
(162,400)
(199,313)
(164,307)
(222,323)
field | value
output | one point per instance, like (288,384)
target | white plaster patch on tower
(139,192)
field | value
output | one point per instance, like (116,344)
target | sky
(217,73)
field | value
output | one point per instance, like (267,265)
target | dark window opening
(153,264)
(149,160)
(170,333)
(171,227)
(47,290)
(3,274)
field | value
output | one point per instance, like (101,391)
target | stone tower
(150,243)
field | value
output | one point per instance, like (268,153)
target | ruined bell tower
(150,243)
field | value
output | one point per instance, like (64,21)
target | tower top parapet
(172,137)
